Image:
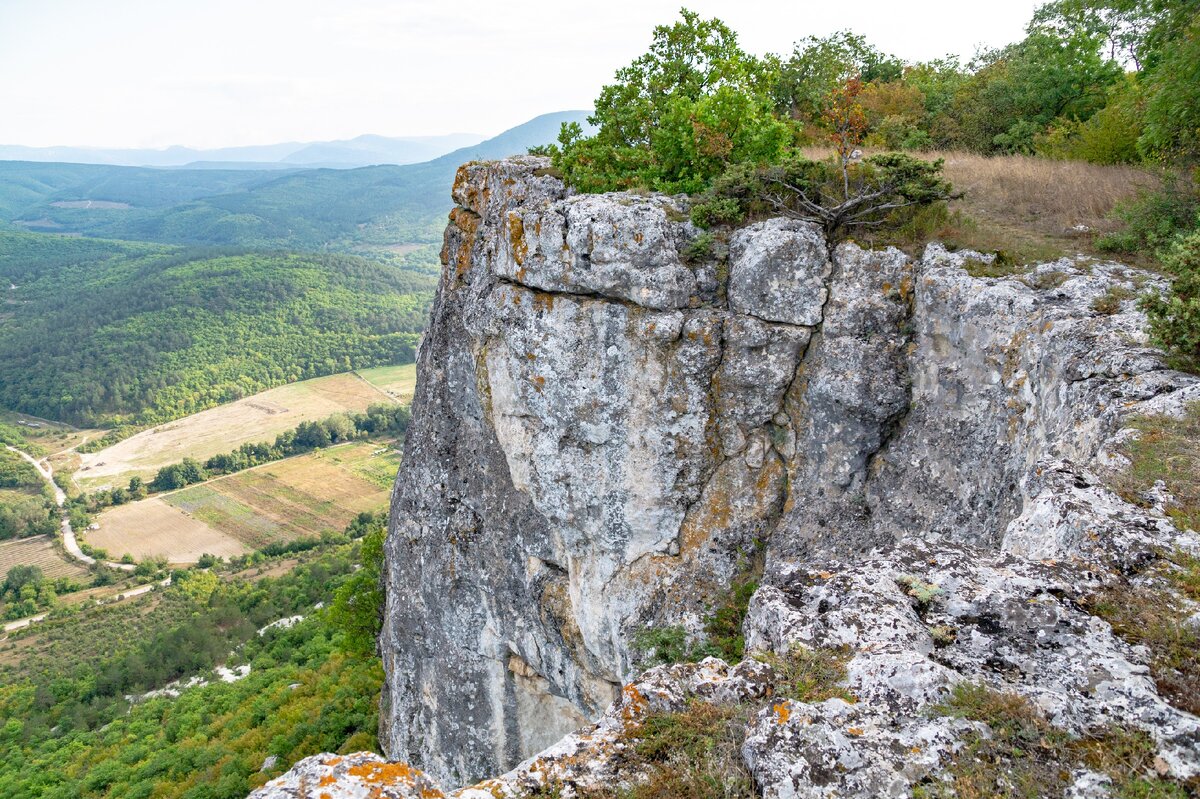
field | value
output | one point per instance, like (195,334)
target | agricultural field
(39,551)
(298,497)
(398,382)
(218,430)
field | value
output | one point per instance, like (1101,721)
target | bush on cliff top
(1175,319)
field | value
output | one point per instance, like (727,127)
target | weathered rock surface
(606,433)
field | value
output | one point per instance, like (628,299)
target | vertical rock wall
(610,424)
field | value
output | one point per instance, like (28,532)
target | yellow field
(399,382)
(38,551)
(152,528)
(218,430)
(298,497)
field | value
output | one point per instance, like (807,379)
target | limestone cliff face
(611,422)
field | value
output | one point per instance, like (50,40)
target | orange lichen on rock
(782,713)
(468,225)
(633,704)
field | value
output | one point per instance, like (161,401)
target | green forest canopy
(1110,81)
(105,333)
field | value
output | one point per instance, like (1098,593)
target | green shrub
(1154,219)
(885,191)
(677,116)
(1175,319)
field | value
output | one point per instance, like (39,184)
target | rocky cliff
(617,418)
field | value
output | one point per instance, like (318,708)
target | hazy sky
(209,73)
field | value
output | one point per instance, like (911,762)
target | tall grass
(1038,206)
(1055,195)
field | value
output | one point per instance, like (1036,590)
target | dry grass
(1025,757)
(38,551)
(152,528)
(1166,449)
(299,497)
(1029,208)
(218,430)
(1159,622)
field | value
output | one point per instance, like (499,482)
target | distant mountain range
(286,206)
(366,150)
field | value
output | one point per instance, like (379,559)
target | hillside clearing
(398,382)
(152,528)
(300,497)
(39,551)
(260,417)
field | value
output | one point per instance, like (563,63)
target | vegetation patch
(1167,449)
(723,636)
(70,732)
(810,675)
(1158,621)
(696,752)
(1175,319)
(1110,301)
(1022,756)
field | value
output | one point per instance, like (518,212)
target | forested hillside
(74,725)
(102,332)
(315,209)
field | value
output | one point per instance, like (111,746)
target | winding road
(60,498)
(119,596)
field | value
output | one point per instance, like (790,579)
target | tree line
(380,420)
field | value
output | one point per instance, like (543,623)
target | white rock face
(606,433)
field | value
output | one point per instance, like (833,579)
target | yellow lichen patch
(856,731)
(516,238)
(539,383)
(543,302)
(782,713)
(468,224)
(385,773)
(333,761)
(326,795)
(328,779)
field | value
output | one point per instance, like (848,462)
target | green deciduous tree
(675,117)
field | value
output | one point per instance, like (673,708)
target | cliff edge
(618,418)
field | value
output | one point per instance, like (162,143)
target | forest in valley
(117,334)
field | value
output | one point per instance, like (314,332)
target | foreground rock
(607,433)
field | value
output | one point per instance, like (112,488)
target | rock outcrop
(613,423)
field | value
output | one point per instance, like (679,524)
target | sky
(216,73)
